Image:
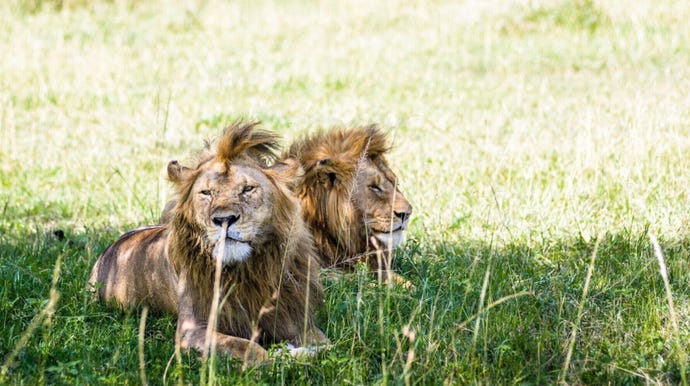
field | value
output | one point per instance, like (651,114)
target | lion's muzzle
(235,247)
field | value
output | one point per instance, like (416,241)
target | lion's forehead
(229,177)
(383,168)
(378,173)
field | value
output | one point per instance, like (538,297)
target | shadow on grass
(430,334)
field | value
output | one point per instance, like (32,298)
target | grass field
(543,144)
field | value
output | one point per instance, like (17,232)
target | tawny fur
(170,267)
(342,166)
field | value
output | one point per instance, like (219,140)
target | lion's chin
(389,240)
(234,251)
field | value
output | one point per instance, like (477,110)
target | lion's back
(135,271)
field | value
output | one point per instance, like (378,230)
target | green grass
(522,132)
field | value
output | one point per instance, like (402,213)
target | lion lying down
(351,198)
(234,211)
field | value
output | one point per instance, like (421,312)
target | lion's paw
(299,352)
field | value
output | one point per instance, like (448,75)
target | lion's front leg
(194,337)
(192,332)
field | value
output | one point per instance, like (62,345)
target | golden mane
(334,195)
(246,139)
(341,147)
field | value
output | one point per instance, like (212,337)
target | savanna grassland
(544,145)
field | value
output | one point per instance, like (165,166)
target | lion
(231,211)
(351,198)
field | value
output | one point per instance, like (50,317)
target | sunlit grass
(521,131)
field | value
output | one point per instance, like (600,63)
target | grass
(522,131)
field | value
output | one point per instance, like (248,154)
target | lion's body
(234,212)
(122,265)
(350,196)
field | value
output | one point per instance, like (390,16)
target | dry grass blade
(45,314)
(210,342)
(482,296)
(682,357)
(411,336)
(307,289)
(492,305)
(573,336)
(142,329)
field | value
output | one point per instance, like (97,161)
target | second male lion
(232,210)
(350,197)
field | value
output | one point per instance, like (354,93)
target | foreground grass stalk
(45,314)
(305,326)
(307,294)
(175,356)
(682,357)
(492,305)
(482,296)
(580,310)
(142,329)
(210,342)
(382,315)
(411,335)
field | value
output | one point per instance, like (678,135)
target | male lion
(350,197)
(231,210)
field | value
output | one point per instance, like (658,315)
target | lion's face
(349,194)
(384,210)
(238,198)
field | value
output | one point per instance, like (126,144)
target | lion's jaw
(233,249)
(392,237)
(388,240)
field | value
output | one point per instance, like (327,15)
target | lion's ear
(177,172)
(288,171)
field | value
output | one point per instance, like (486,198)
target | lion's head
(349,193)
(234,187)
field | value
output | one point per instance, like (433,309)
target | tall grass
(43,317)
(521,131)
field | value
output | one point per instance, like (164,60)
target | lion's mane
(336,223)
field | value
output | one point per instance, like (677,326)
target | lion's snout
(228,219)
(402,211)
(403,216)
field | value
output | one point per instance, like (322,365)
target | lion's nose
(402,215)
(230,219)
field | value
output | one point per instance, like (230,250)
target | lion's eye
(375,188)
(247,189)
(205,192)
